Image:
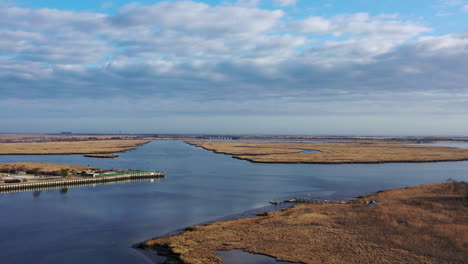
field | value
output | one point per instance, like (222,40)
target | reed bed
(333,153)
(69,147)
(422,224)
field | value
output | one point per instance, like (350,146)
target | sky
(315,67)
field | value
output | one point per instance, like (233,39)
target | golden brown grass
(69,147)
(72,137)
(350,152)
(422,224)
(40,167)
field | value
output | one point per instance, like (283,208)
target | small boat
(274,202)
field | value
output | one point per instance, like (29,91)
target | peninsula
(421,224)
(334,152)
(69,147)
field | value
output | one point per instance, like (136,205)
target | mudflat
(421,224)
(102,156)
(333,153)
(69,147)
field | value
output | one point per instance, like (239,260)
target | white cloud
(449,43)
(314,25)
(362,36)
(448,7)
(360,24)
(202,18)
(189,57)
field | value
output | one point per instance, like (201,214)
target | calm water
(99,224)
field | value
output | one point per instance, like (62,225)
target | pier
(104,178)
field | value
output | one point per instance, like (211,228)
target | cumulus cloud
(360,25)
(202,18)
(365,36)
(193,58)
(451,5)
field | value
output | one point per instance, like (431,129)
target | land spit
(41,168)
(421,224)
(333,153)
(69,147)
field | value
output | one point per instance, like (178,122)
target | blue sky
(261,66)
(433,13)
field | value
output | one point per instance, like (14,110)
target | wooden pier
(116,177)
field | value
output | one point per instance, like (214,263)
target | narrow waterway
(99,224)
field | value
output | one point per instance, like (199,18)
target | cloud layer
(193,59)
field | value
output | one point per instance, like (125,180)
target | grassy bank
(40,168)
(421,224)
(69,147)
(333,153)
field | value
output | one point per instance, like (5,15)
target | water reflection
(103,221)
(63,191)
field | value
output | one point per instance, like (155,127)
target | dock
(103,178)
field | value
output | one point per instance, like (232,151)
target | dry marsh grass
(69,147)
(40,167)
(350,152)
(73,137)
(421,224)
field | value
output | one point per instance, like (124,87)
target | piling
(105,178)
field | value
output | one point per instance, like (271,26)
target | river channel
(99,224)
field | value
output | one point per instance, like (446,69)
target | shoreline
(332,153)
(20,176)
(334,227)
(131,175)
(77,185)
(170,257)
(102,156)
(70,147)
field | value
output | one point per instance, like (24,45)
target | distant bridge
(220,138)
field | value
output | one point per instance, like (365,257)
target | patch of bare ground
(421,224)
(333,153)
(69,147)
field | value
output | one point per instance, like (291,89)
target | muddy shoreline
(403,227)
